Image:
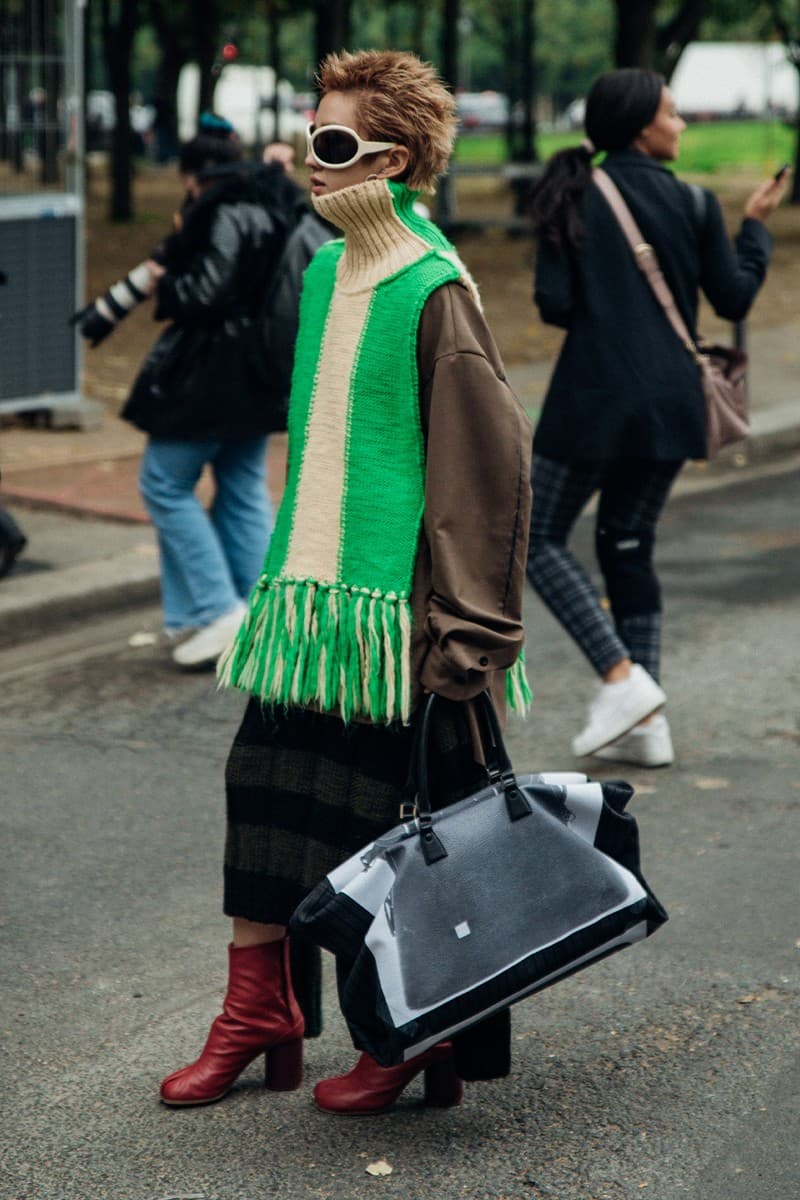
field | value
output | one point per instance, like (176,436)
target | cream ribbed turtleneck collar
(377,241)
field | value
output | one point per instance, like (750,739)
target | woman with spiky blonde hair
(396,568)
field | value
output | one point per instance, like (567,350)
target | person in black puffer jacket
(197,395)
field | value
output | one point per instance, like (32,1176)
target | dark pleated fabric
(304,792)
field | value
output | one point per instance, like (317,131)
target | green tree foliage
(573,47)
(737,21)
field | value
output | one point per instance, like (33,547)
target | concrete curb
(774,430)
(92,512)
(43,603)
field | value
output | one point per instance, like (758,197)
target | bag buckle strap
(408,810)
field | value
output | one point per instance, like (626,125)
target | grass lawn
(706,147)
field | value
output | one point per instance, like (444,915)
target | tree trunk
(276,62)
(49,138)
(51,135)
(635,42)
(166,103)
(527,149)
(332,29)
(392,36)
(206,27)
(88,85)
(118,45)
(175,53)
(673,38)
(418,28)
(449,69)
(449,47)
(23,81)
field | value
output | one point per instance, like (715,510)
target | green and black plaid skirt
(305,791)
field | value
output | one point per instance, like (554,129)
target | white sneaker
(648,745)
(208,643)
(616,708)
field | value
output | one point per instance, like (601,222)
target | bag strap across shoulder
(644,256)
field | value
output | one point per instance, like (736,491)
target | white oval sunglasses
(337,146)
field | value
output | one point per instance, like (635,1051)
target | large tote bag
(457,913)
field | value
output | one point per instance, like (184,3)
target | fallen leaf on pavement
(381,1167)
(143,639)
(710,783)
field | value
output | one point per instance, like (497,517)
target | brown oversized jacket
(470,569)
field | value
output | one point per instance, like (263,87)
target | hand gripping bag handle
(498,765)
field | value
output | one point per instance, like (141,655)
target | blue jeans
(209,560)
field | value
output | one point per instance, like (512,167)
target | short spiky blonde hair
(400,99)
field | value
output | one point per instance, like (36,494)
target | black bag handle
(498,765)
(417,779)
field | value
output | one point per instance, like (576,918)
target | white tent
(244,96)
(751,79)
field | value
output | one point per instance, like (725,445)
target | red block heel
(443,1088)
(284,1067)
(370,1088)
(260,1016)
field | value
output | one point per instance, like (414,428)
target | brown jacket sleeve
(477,500)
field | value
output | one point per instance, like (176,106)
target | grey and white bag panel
(425,950)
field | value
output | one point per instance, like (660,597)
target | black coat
(623,386)
(198,381)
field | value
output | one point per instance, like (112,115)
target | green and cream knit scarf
(329,620)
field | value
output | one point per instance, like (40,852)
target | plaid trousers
(632,496)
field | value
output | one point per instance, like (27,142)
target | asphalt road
(668,1072)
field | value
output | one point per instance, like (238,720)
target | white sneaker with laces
(616,708)
(205,646)
(647,745)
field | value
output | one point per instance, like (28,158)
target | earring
(372,176)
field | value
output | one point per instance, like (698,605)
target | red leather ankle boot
(370,1088)
(259,1015)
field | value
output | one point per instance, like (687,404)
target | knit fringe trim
(343,650)
(519,696)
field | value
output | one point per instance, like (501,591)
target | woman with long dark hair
(625,408)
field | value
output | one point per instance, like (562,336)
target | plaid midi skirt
(304,791)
